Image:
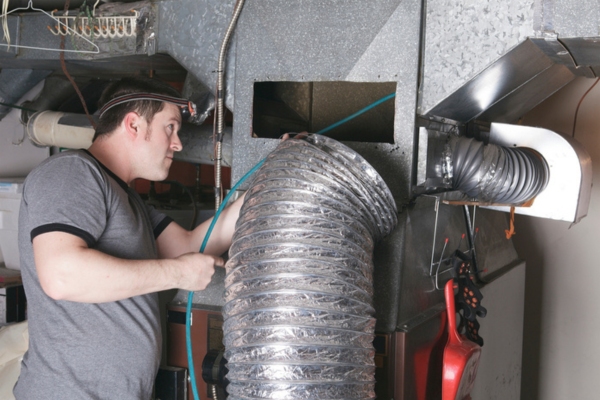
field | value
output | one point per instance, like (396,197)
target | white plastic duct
(48,128)
(73,131)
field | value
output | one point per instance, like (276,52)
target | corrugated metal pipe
(299,320)
(495,174)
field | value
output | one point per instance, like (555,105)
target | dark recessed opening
(282,107)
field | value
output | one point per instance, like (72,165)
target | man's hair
(110,120)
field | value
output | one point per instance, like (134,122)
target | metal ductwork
(542,173)
(567,195)
(33,45)
(56,92)
(504,59)
(299,319)
(14,83)
(495,61)
(483,61)
(483,173)
(454,63)
(191,32)
(47,5)
(496,174)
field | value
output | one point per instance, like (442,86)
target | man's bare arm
(69,270)
(175,240)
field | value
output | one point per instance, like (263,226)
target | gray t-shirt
(88,350)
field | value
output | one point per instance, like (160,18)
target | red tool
(461,356)
(425,357)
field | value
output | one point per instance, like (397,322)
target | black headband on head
(188,109)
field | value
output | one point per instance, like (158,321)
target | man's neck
(114,157)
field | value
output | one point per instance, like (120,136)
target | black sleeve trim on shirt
(161,226)
(88,238)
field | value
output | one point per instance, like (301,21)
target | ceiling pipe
(73,131)
(46,5)
(56,91)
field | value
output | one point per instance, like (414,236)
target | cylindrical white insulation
(53,128)
(74,131)
(299,320)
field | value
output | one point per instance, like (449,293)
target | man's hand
(197,270)
(299,135)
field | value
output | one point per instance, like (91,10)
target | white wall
(561,354)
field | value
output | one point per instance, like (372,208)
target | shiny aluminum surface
(298,318)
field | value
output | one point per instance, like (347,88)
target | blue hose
(356,114)
(188,312)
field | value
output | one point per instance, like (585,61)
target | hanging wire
(61,26)
(579,104)
(117,26)
(188,319)
(16,106)
(63,65)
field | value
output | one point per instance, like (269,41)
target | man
(93,255)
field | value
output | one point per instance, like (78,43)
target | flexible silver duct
(299,320)
(495,174)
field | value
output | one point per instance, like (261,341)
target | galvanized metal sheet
(462,38)
(330,41)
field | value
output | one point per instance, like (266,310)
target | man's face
(158,143)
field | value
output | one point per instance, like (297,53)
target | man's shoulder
(74,166)
(69,155)
(65,161)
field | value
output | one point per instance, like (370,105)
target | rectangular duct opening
(282,107)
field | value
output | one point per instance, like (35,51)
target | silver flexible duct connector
(299,320)
(495,174)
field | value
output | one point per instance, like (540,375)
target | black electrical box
(13,304)
(171,383)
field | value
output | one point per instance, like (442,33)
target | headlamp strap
(187,107)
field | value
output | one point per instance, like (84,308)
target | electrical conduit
(220,99)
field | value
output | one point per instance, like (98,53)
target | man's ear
(132,124)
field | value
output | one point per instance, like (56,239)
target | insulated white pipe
(73,131)
(44,128)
